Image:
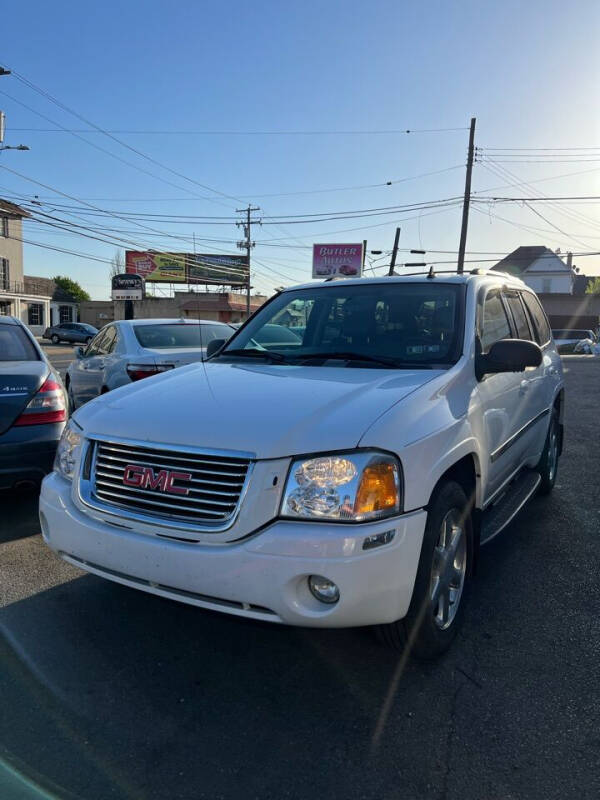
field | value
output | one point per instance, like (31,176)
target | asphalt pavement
(111,693)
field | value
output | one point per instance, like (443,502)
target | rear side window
(15,345)
(540,322)
(518,313)
(494,322)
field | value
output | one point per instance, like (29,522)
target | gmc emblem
(163,480)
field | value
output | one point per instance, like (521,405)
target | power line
(391,131)
(79,116)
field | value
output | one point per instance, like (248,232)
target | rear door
(22,373)
(84,372)
(500,396)
(550,370)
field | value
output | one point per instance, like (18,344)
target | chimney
(570,260)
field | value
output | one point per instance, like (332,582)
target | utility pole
(394,252)
(467,200)
(247,244)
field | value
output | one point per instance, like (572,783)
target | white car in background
(128,350)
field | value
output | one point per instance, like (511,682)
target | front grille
(173,484)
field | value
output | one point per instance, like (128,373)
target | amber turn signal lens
(378,489)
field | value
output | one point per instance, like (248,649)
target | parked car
(70,332)
(128,350)
(567,340)
(33,407)
(347,480)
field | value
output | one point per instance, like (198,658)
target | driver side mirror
(508,355)
(213,346)
(79,352)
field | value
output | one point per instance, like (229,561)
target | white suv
(344,477)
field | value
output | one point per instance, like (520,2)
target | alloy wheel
(448,569)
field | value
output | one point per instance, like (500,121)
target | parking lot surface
(111,693)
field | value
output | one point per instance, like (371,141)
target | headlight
(68,450)
(350,487)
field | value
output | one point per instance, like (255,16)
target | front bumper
(263,576)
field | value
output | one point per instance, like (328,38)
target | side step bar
(506,508)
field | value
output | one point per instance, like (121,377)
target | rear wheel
(436,609)
(55,339)
(549,461)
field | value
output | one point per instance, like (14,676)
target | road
(111,693)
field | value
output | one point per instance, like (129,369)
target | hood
(19,381)
(270,411)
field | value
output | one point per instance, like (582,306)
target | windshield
(15,345)
(179,334)
(401,324)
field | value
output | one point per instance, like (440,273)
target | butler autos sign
(214,268)
(127,287)
(344,260)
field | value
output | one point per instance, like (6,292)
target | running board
(504,510)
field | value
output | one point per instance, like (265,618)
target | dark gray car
(33,407)
(71,332)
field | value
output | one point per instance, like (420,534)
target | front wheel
(436,608)
(55,339)
(548,465)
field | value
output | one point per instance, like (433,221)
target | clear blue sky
(528,71)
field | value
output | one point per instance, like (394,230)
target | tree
(117,264)
(72,287)
(593,286)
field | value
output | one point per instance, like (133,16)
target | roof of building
(48,288)
(12,208)
(523,257)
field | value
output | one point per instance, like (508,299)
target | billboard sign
(127,287)
(166,267)
(216,268)
(337,260)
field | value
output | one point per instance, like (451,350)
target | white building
(541,269)
(38,302)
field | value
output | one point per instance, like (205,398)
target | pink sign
(344,260)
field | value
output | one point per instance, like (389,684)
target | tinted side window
(94,346)
(518,314)
(108,341)
(494,322)
(538,316)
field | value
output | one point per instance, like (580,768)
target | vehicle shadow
(18,513)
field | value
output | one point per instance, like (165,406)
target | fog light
(323,589)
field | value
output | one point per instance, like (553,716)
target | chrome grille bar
(157,486)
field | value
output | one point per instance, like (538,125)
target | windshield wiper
(254,352)
(349,356)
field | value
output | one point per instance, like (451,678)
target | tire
(548,464)
(55,339)
(430,625)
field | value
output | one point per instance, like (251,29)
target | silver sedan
(129,350)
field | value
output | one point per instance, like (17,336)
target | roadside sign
(337,260)
(127,287)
